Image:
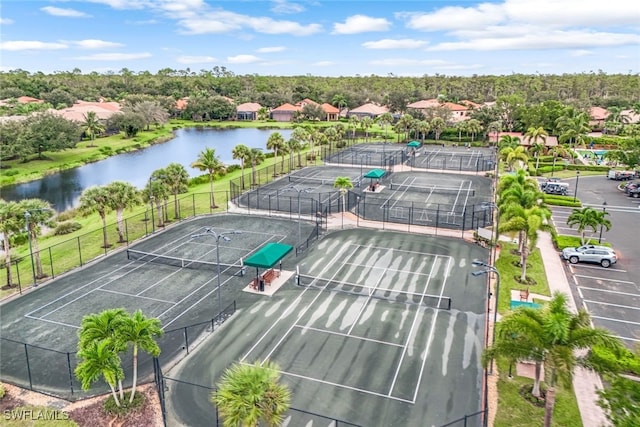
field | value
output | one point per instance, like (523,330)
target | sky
(322,38)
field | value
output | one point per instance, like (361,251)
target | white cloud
(68,13)
(271,49)
(581,52)
(404,62)
(284,7)
(243,59)
(361,24)
(6,21)
(195,59)
(31,45)
(125,4)
(113,56)
(95,44)
(394,44)
(224,21)
(323,63)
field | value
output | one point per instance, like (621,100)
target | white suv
(603,255)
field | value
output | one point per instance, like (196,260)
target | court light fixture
(478,263)
(489,269)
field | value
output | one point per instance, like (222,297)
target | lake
(63,189)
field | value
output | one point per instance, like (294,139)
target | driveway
(610,295)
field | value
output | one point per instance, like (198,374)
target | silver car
(603,255)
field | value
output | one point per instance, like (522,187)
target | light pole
(575,194)
(362,157)
(490,269)
(217,236)
(604,212)
(27,217)
(495,233)
(299,191)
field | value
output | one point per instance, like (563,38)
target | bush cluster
(67,228)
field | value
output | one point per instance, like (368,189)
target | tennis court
(381,155)
(452,158)
(383,328)
(172,276)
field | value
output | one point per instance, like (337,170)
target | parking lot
(610,295)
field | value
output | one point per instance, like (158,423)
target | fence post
(437,218)
(464,220)
(51,262)
(126,230)
(186,339)
(70,372)
(26,354)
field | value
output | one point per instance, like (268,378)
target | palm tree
(508,141)
(422,128)
(405,123)
(588,218)
(97,199)
(536,150)
(275,143)
(552,336)
(256,156)
(123,196)
(534,134)
(241,152)
(40,214)
(354,121)
(176,178)
(208,161)
(300,135)
(92,126)
(103,327)
(437,126)
(366,123)
(384,120)
(344,184)
(10,225)
(156,192)
(141,332)
(99,360)
(473,127)
(250,394)
(293,146)
(339,101)
(514,156)
(461,127)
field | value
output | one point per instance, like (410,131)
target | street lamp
(27,217)
(575,194)
(490,269)
(604,212)
(299,191)
(217,236)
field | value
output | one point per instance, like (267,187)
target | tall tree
(250,394)
(437,126)
(354,122)
(92,126)
(384,121)
(256,156)
(99,360)
(10,225)
(140,332)
(552,337)
(176,178)
(241,152)
(40,214)
(366,123)
(344,184)
(156,192)
(122,196)
(208,161)
(275,143)
(97,199)
(301,135)
(588,218)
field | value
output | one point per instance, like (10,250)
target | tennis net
(323,181)
(392,295)
(230,269)
(433,189)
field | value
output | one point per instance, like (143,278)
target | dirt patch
(89,412)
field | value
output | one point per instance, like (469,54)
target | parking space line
(611,304)
(594,267)
(615,320)
(610,292)
(604,278)
(627,338)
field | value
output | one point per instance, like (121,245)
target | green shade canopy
(414,144)
(268,255)
(375,173)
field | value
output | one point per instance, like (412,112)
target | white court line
(310,328)
(409,335)
(605,279)
(346,386)
(394,270)
(466,199)
(303,312)
(615,320)
(51,321)
(364,305)
(410,252)
(610,292)
(611,304)
(135,296)
(431,333)
(294,303)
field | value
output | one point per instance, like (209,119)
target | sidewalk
(585,383)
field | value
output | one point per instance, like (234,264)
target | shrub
(111,408)
(626,361)
(11,172)
(557,200)
(106,150)
(121,150)
(232,168)
(67,228)
(67,215)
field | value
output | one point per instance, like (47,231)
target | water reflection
(63,189)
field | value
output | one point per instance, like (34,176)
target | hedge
(557,200)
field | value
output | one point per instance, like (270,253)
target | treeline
(580,90)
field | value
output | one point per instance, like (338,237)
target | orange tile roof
(329,109)
(249,107)
(370,109)
(425,103)
(287,107)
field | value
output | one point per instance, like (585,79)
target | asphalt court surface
(370,361)
(453,158)
(610,295)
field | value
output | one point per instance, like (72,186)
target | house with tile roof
(285,112)
(368,110)
(248,111)
(331,112)
(597,117)
(459,112)
(78,111)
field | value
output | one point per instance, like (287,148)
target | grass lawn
(513,409)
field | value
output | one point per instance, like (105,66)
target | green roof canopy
(414,144)
(375,173)
(268,255)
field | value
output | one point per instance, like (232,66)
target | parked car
(634,192)
(603,255)
(543,184)
(561,188)
(621,175)
(629,186)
